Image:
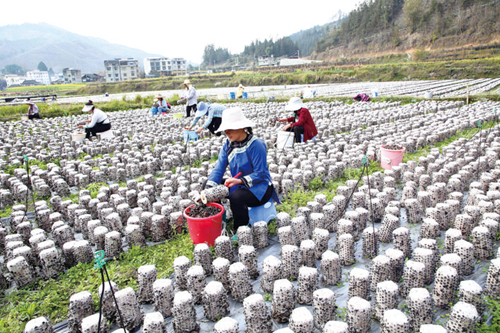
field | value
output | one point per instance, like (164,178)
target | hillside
(28,44)
(306,39)
(397,26)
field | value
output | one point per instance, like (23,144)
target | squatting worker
(247,154)
(214,112)
(303,125)
(33,111)
(99,122)
(160,106)
(190,98)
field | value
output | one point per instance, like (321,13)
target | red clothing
(305,120)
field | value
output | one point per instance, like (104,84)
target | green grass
(52,89)
(494,309)
(300,197)
(6,211)
(51,298)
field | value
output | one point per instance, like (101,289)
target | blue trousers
(158,110)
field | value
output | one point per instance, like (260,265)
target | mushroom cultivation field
(354,247)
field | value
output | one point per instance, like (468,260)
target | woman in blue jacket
(244,153)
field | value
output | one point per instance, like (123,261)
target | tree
(413,10)
(13,69)
(42,67)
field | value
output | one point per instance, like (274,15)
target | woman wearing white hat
(190,98)
(99,123)
(33,111)
(239,92)
(159,106)
(247,154)
(303,125)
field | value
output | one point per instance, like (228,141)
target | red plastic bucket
(207,229)
(390,158)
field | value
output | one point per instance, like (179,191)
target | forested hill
(399,25)
(306,39)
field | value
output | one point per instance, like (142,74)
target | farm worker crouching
(190,98)
(159,106)
(33,111)
(307,92)
(239,92)
(99,122)
(244,153)
(304,124)
(214,112)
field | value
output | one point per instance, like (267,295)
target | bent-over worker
(99,122)
(214,112)
(304,125)
(190,98)
(247,154)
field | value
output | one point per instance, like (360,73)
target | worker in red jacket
(304,124)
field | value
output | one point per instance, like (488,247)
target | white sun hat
(233,118)
(88,106)
(294,104)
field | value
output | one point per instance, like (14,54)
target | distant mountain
(27,44)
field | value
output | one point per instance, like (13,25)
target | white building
(39,76)
(12,79)
(121,69)
(164,66)
(266,60)
(72,75)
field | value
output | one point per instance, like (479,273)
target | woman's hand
(80,126)
(88,121)
(287,127)
(199,130)
(230,182)
(282,120)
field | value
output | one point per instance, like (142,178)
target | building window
(132,73)
(109,75)
(116,75)
(124,74)
(108,68)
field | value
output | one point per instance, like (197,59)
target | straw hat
(294,104)
(187,82)
(159,96)
(240,86)
(202,109)
(88,106)
(233,119)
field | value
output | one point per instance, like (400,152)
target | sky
(177,28)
